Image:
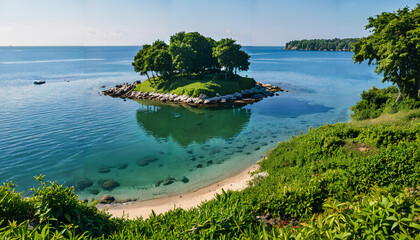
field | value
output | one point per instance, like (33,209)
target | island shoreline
(191,199)
(246,96)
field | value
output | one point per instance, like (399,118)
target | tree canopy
(230,56)
(190,53)
(394,47)
(335,44)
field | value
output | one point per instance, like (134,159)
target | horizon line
(115,45)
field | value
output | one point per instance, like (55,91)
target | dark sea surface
(68,131)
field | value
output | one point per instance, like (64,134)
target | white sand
(187,200)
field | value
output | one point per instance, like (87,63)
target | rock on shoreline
(254,94)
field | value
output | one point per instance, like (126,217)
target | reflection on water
(187,125)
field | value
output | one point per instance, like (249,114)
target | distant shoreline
(317,50)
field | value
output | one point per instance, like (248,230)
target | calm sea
(66,130)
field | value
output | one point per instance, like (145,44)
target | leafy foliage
(377,101)
(394,46)
(335,44)
(12,206)
(230,56)
(190,53)
(57,205)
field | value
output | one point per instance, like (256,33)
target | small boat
(39,82)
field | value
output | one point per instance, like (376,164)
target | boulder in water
(94,191)
(104,169)
(106,199)
(109,184)
(146,160)
(168,181)
(184,179)
(84,183)
(122,166)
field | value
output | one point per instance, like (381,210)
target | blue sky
(131,22)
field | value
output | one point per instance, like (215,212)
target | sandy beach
(187,200)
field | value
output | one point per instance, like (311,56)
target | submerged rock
(168,181)
(94,191)
(122,166)
(146,160)
(109,184)
(84,183)
(107,199)
(104,169)
(157,184)
(185,179)
(199,165)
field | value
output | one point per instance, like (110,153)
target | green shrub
(57,205)
(377,101)
(12,206)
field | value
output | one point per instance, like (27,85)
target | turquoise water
(66,130)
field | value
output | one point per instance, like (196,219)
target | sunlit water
(67,131)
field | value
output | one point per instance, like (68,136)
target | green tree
(177,37)
(163,63)
(182,56)
(156,53)
(394,47)
(139,63)
(203,48)
(241,61)
(230,56)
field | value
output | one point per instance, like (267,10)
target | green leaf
(67,216)
(414,225)
(394,225)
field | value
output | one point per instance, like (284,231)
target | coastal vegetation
(335,44)
(208,84)
(356,180)
(193,64)
(394,47)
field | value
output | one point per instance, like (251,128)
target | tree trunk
(399,92)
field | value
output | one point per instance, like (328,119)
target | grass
(402,118)
(193,86)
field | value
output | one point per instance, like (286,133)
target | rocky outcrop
(106,199)
(254,94)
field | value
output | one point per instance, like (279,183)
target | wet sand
(187,200)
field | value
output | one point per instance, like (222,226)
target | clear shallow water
(67,131)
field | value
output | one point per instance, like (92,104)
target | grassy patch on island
(193,86)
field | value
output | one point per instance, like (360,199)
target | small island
(193,69)
(336,44)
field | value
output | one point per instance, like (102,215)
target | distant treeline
(335,44)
